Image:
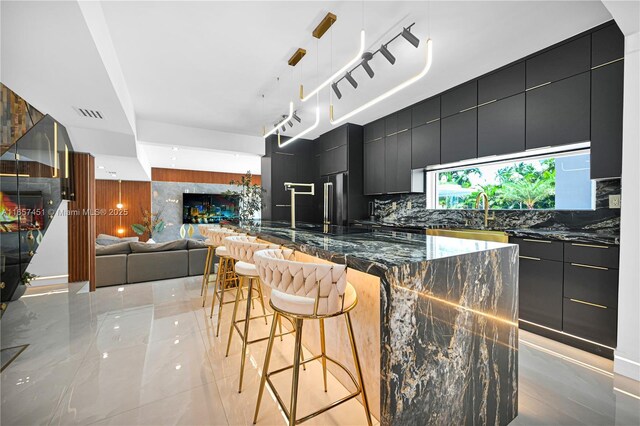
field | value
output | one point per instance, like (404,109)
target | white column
(627,354)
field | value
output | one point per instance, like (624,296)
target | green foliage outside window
(516,186)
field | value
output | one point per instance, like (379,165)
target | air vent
(89,113)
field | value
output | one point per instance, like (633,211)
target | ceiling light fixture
(334,86)
(406,33)
(306,131)
(284,128)
(290,123)
(337,73)
(366,57)
(401,86)
(287,118)
(385,52)
(351,80)
(295,116)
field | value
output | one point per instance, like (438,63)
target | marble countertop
(541,233)
(366,250)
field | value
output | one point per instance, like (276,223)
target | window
(553,182)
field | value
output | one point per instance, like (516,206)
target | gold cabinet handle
(529,257)
(539,85)
(588,303)
(582,265)
(589,245)
(536,241)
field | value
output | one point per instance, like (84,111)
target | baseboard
(626,367)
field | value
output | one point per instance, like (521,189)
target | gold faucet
(486,207)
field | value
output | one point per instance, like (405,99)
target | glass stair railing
(36,174)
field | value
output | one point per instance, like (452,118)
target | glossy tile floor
(147,354)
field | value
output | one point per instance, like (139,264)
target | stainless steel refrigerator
(335,199)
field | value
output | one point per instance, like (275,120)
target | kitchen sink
(471,234)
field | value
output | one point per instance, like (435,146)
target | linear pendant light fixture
(306,131)
(328,81)
(391,92)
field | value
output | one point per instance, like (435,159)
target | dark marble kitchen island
(448,351)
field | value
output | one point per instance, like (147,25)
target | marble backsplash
(602,219)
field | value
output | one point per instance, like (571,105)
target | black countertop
(368,250)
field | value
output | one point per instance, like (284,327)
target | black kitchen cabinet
(459,99)
(390,163)
(559,113)
(425,112)
(592,254)
(334,160)
(404,120)
(403,166)
(391,124)
(591,285)
(540,291)
(374,130)
(594,323)
(502,84)
(560,62)
(607,44)
(606,120)
(425,145)
(374,167)
(459,137)
(334,138)
(501,126)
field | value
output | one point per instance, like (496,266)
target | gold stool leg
(324,354)
(233,318)
(204,275)
(267,358)
(218,284)
(279,325)
(245,337)
(356,360)
(264,311)
(207,274)
(296,373)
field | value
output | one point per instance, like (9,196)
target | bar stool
(307,291)
(215,236)
(243,249)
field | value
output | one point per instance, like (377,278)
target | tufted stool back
(216,236)
(300,280)
(203,228)
(242,248)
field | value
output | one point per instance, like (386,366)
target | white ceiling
(193,72)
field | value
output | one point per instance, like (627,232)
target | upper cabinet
(501,84)
(559,113)
(425,145)
(560,62)
(425,112)
(374,167)
(501,126)
(374,130)
(460,99)
(397,122)
(459,137)
(607,45)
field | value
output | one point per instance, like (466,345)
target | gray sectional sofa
(127,262)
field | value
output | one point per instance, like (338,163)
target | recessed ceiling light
(175,148)
(101,167)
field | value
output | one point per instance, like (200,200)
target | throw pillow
(149,248)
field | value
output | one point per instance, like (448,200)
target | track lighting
(334,86)
(366,57)
(406,33)
(284,129)
(295,116)
(290,123)
(351,80)
(385,52)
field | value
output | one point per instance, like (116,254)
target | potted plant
(250,196)
(152,223)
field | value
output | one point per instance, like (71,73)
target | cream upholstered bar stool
(307,291)
(243,250)
(226,274)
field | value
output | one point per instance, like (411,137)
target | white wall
(627,355)
(51,258)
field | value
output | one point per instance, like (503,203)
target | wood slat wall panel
(136,195)
(178,175)
(82,226)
